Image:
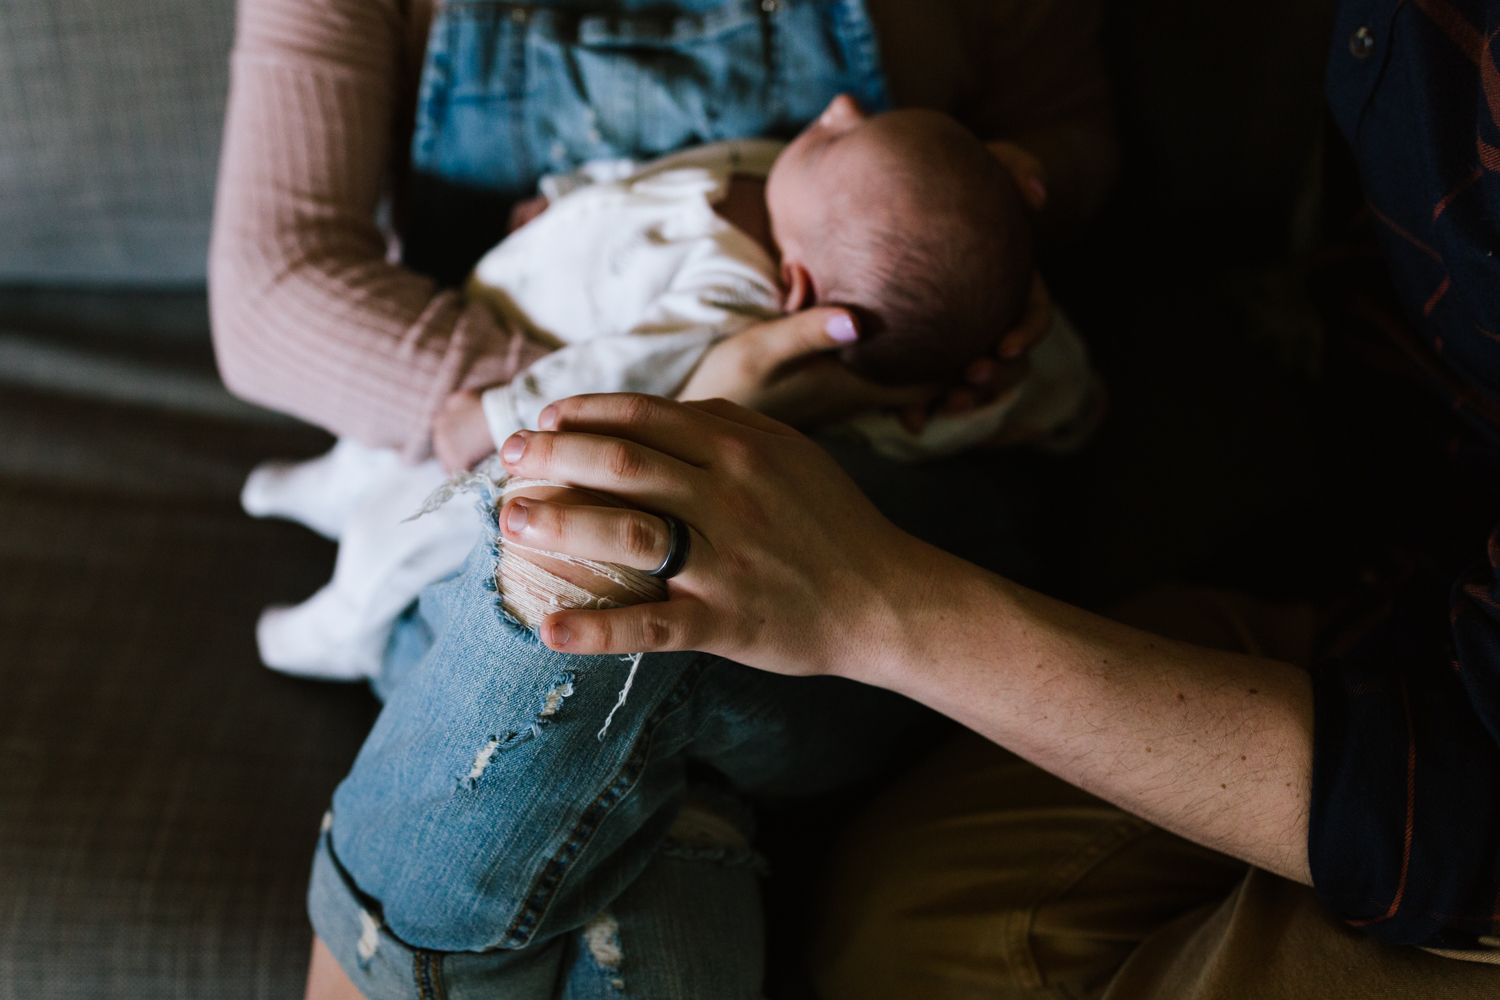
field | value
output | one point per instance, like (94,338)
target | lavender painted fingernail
(515,517)
(841,328)
(515,447)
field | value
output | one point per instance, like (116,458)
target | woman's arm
(309,317)
(793,570)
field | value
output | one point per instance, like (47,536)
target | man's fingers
(656,422)
(690,432)
(681,623)
(737,414)
(640,475)
(626,537)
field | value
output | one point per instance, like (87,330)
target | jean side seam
(544,889)
(427,971)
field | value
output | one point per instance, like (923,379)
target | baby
(634,272)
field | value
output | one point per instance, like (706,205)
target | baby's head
(908,220)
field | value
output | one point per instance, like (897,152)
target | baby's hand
(460,435)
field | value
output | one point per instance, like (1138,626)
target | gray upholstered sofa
(159,790)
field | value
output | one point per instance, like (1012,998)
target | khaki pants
(982,876)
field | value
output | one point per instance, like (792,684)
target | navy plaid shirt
(1405,832)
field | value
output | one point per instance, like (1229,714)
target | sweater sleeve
(309,317)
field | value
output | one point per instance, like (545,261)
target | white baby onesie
(631,276)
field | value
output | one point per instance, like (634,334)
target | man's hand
(460,435)
(785,550)
(792,569)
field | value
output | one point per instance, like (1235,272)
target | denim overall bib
(510,92)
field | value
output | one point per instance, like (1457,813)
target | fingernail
(1037,188)
(515,517)
(841,328)
(558,635)
(547,419)
(515,447)
(983,373)
(1012,348)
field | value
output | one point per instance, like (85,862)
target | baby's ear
(797,285)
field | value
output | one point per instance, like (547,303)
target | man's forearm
(1216,747)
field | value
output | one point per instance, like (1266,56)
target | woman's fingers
(798,335)
(783,369)
(1036,320)
(737,368)
(681,623)
(824,391)
(618,535)
(1026,170)
(460,434)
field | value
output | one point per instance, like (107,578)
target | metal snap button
(518,15)
(769,6)
(1362,42)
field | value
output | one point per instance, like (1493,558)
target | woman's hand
(460,434)
(786,370)
(986,378)
(1026,170)
(790,568)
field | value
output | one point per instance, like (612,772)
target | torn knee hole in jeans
(602,937)
(529,591)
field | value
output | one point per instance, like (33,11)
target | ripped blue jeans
(489,842)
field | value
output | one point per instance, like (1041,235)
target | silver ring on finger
(679,541)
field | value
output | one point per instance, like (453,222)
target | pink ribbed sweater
(311,318)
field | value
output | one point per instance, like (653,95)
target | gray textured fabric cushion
(110,113)
(159,789)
